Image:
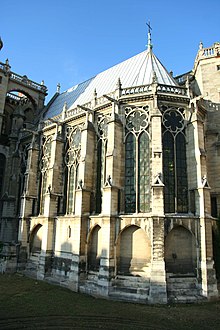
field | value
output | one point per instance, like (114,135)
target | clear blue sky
(69,41)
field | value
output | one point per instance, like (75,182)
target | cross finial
(149,44)
(149,27)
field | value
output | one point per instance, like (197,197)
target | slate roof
(135,71)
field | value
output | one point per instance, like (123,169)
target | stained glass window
(45,162)
(43,191)
(143,173)
(72,156)
(99,176)
(2,170)
(137,161)
(130,176)
(174,161)
(168,172)
(102,134)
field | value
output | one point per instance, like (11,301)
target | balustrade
(209,51)
(172,90)
(23,79)
(136,90)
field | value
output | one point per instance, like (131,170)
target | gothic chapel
(111,188)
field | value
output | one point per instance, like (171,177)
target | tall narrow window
(2,171)
(102,134)
(45,162)
(143,173)
(137,161)
(174,161)
(22,176)
(72,155)
(130,174)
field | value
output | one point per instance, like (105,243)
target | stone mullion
(137,172)
(157,164)
(209,286)
(85,171)
(113,168)
(50,207)
(29,193)
(82,205)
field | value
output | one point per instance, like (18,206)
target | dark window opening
(214,210)
(174,162)
(99,177)
(2,171)
(192,201)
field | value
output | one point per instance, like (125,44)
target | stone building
(111,188)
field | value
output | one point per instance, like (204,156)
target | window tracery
(44,165)
(2,171)
(137,160)
(71,159)
(174,160)
(102,137)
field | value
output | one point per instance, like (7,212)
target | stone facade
(115,197)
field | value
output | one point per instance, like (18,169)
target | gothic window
(22,175)
(72,156)
(137,161)
(102,133)
(23,166)
(45,162)
(2,170)
(174,161)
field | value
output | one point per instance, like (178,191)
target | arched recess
(180,251)
(21,94)
(94,248)
(133,251)
(36,239)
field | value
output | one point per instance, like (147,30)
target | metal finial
(149,44)
(58,88)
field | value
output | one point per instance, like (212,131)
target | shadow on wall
(133,251)
(94,249)
(180,251)
(36,239)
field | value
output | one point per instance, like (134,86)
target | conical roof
(135,71)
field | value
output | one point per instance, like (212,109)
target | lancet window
(2,170)
(102,134)
(23,167)
(174,161)
(137,160)
(22,177)
(72,157)
(45,163)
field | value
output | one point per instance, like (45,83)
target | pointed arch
(133,251)
(36,239)
(94,248)
(174,161)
